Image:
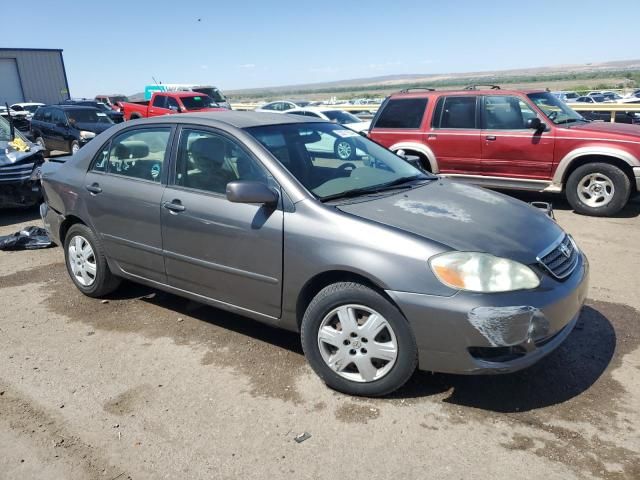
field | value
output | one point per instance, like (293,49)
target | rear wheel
(86,263)
(75,146)
(344,150)
(598,189)
(357,341)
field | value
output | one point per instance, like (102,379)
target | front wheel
(357,341)
(75,146)
(598,189)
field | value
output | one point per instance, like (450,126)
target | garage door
(10,87)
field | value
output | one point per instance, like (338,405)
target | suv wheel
(357,341)
(75,146)
(598,189)
(86,263)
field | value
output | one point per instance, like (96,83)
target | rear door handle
(94,188)
(491,137)
(175,206)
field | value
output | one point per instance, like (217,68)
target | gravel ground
(149,385)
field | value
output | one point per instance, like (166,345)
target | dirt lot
(148,385)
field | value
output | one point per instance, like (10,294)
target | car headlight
(86,135)
(481,272)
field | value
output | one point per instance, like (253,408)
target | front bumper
(473,333)
(17,187)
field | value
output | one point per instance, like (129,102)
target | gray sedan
(381,267)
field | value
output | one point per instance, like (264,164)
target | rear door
(509,149)
(58,131)
(126,186)
(227,252)
(454,136)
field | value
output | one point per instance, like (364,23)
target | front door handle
(94,188)
(174,206)
(491,137)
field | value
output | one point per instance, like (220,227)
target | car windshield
(302,103)
(103,107)
(555,109)
(30,108)
(341,117)
(198,103)
(5,130)
(115,100)
(332,161)
(212,92)
(87,115)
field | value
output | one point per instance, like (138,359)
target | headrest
(131,150)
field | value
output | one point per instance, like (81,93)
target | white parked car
(28,107)
(282,106)
(343,147)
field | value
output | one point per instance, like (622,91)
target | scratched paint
(435,209)
(509,326)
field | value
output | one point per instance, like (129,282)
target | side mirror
(244,191)
(535,124)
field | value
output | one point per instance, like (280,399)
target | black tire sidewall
(621,184)
(344,293)
(102,282)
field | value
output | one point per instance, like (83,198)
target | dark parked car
(116,117)
(67,127)
(380,266)
(19,160)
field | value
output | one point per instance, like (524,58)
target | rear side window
(160,101)
(402,113)
(455,112)
(136,154)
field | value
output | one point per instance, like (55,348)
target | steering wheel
(552,115)
(347,167)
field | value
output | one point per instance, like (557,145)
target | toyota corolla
(382,268)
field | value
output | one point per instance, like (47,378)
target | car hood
(464,218)
(9,156)
(93,127)
(610,128)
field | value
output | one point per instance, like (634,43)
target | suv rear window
(402,113)
(455,112)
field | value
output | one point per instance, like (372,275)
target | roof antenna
(155,81)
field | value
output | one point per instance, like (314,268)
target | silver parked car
(379,266)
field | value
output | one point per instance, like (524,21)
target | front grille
(12,173)
(561,258)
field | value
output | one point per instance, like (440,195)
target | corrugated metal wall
(41,73)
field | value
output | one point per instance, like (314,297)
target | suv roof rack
(407,90)
(475,86)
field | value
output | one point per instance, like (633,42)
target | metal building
(32,75)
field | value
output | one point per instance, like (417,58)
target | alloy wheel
(596,190)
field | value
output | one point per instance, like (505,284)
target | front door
(509,149)
(227,252)
(454,136)
(126,186)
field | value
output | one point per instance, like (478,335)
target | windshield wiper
(397,183)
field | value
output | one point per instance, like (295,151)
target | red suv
(525,140)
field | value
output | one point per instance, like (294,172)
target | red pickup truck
(166,103)
(526,140)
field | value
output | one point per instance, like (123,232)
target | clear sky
(116,46)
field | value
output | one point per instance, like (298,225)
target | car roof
(74,107)
(236,119)
(430,93)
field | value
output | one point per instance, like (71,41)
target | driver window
(506,113)
(172,103)
(208,161)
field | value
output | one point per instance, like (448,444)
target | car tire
(339,363)
(40,141)
(74,147)
(598,189)
(81,260)
(344,149)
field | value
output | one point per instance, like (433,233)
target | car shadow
(564,374)
(567,372)
(559,202)
(19,215)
